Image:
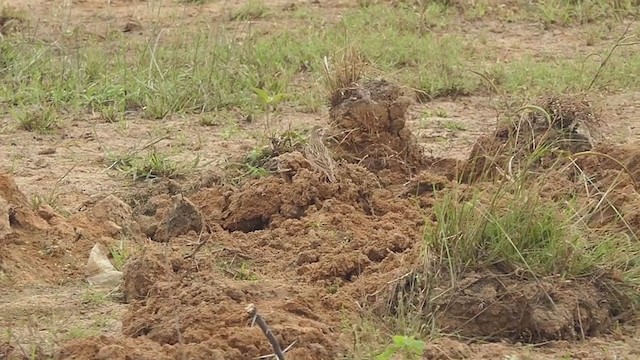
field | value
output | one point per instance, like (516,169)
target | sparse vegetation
(237,269)
(150,165)
(532,222)
(409,347)
(517,228)
(250,10)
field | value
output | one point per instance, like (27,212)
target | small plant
(347,69)
(91,297)
(112,113)
(238,270)
(209,120)
(41,119)
(51,198)
(269,103)
(453,126)
(409,347)
(80,333)
(119,255)
(251,10)
(158,107)
(150,166)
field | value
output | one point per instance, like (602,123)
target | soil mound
(30,241)
(497,306)
(303,250)
(533,141)
(369,128)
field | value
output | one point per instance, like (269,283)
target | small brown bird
(319,156)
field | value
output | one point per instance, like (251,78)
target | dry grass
(347,68)
(319,156)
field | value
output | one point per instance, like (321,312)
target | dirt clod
(370,129)
(113,209)
(183,217)
(143,271)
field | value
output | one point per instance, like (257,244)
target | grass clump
(251,10)
(39,119)
(409,347)
(151,165)
(202,71)
(347,68)
(517,229)
(567,12)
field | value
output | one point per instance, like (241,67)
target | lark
(319,156)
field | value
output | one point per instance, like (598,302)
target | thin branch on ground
(622,41)
(201,241)
(257,319)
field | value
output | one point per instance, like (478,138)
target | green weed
(518,229)
(238,269)
(409,347)
(151,165)
(120,253)
(453,126)
(41,119)
(94,298)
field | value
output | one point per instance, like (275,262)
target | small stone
(184,217)
(113,209)
(47,151)
(112,228)
(46,212)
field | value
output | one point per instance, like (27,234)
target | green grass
(206,70)
(150,165)
(516,228)
(568,12)
(251,10)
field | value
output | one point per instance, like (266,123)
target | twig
(200,243)
(257,319)
(284,351)
(622,41)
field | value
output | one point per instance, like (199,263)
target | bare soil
(311,255)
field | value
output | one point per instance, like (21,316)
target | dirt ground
(310,254)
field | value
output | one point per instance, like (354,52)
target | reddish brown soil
(310,255)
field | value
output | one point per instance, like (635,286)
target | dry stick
(619,43)
(256,318)
(200,243)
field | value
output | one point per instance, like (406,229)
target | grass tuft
(151,165)
(515,228)
(41,119)
(251,10)
(348,68)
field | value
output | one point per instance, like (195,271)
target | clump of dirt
(183,306)
(533,141)
(114,215)
(183,217)
(302,249)
(31,241)
(16,209)
(320,236)
(142,272)
(608,178)
(40,245)
(369,128)
(498,306)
